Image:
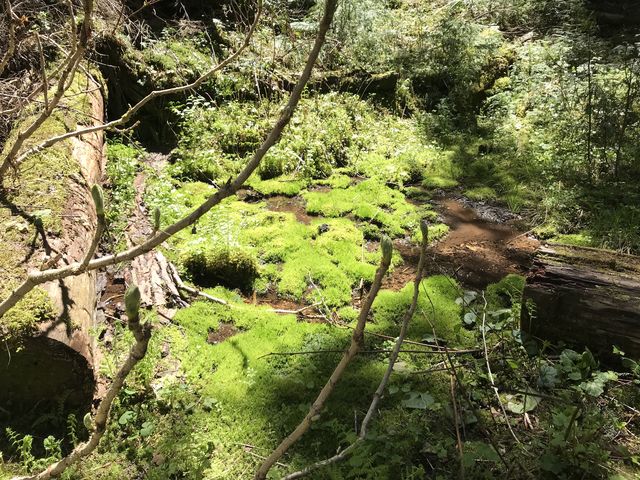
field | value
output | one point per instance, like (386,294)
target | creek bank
(484,244)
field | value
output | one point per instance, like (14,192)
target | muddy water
(465,226)
(477,251)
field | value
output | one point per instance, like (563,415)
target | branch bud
(387,248)
(132,302)
(156,219)
(424,228)
(98,199)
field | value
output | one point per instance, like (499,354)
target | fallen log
(584,297)
(48,364)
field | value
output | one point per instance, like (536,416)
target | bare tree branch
(357,339)
(126,117)
(344,454)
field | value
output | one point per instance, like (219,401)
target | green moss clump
(481,193)
(582,239)
(437,310)
(285,185)
(231,267)
(369,200)
(21,320)
(337,180)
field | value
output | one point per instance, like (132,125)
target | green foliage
(481,193)
(285,185)
(434,181)
(122,167)
(176,58)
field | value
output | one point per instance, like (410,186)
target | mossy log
(584,297)
(51,362)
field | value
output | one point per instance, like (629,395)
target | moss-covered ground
(223,384)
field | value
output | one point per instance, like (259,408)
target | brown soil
(478,252)
(224,331)
(295,205)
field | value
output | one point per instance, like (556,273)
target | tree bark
(585,297)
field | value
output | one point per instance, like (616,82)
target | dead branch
(357,339)
(369,352)
(229,188)
(387,374)
(126,117)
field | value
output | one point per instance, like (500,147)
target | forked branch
(126,117)
(377,396)
(357,340)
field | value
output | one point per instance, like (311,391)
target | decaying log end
(584,297)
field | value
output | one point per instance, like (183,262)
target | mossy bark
(51,355)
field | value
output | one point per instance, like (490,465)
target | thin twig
(357,339)
(491,380)
(456,422)
(387,375)
(315,352)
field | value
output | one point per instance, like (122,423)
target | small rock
(324,228)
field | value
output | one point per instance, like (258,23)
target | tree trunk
(585,297)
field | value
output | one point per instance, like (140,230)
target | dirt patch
(484,244)
(224,331)
(295,205)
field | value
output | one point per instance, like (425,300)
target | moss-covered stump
(47,219)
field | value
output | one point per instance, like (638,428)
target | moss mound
(437,310)
(231,267)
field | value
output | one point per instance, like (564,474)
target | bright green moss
(437,310)
(285,185)
(579,239)
(369,200)
(337,180)
(435,181)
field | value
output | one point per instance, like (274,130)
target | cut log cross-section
(584,297)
